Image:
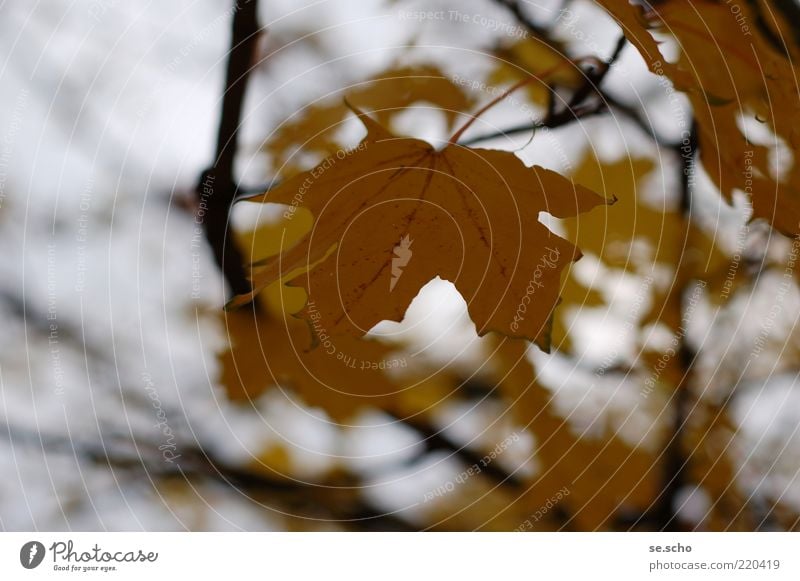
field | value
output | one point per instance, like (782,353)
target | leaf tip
(375,131)
(238,301)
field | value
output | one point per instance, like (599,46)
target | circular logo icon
(31,554)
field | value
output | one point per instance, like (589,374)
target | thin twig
(575,108)
(553,122)
(524,82)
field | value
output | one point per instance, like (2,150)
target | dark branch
(217,189)
(576,108)
(674,472)
(639,120)
(434,439)
(595,78)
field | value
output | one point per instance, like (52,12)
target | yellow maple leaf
(472,215)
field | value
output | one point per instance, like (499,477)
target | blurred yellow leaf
(604,477)
(313,130)
(533,57)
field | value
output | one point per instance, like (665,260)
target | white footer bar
(400,556)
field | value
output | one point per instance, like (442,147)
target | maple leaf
(729,68)
(473,217)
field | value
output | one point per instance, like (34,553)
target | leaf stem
(524,82)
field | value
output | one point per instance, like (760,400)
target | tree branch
(674,474)
(217,188)
(575,109)
(434,439)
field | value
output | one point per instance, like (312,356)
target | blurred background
(115,409)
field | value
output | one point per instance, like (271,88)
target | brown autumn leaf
(635,23)
(730,68)
(395,213)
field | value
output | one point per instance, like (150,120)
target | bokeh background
(112,411)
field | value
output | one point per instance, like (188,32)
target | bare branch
(217,188)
